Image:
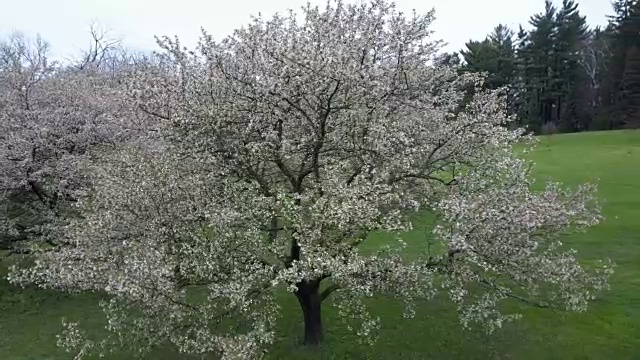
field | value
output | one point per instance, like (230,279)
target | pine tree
(561,75)
(502,41)
(571,33)
(525,95)
(606,80)
(628,32)
(540,65)
(495,56)
(448,59)
(480,56)
(621,83)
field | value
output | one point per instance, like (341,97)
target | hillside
(609,330)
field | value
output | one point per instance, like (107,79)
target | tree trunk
(310,301)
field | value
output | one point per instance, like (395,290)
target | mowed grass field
(30,319)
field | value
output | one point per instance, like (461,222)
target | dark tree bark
(310,300)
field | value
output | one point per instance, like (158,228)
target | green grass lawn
(30,319)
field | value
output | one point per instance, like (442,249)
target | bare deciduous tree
(102,48)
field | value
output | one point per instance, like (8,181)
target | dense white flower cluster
(283,147)
(52,117)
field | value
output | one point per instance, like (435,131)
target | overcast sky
(64,23)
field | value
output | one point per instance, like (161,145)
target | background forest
(562,75)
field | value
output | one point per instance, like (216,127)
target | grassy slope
(610,330)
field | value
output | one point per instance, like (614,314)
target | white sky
(65,23)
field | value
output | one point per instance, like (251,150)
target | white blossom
(52,120)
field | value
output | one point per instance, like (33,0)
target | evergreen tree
(502,40)
(553,89)
(480,56)
(539,49)
(571,33)
(451,59)
(494,55)
(627,33)
(525,94)
(561,75)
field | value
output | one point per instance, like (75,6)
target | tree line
(562,75)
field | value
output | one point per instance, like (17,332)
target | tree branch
(328,291)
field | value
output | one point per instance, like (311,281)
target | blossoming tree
(51,118)
(284,146)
